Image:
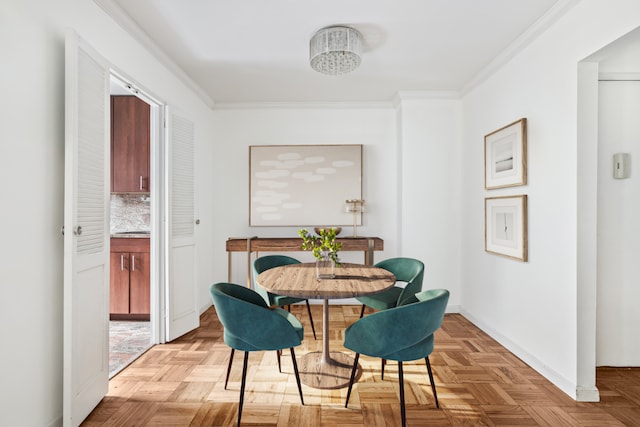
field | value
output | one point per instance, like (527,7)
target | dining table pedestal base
(327,373)
(326,369)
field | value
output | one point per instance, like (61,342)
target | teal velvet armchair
(407,270)
(250,325)
(270,261)
(403,333)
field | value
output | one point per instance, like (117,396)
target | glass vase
(325,267)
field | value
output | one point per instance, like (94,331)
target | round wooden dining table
(325,369)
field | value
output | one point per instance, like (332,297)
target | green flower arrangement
(322,246)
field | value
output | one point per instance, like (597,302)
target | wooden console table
(368,245)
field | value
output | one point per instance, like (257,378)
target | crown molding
(303,105)
(618,77)
(393,103)
(533,32)
(129,25)
(420,95)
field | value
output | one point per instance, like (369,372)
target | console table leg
(249,262)
(368,253)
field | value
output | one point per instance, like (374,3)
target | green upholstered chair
(270,261)
(402,333)
(249,325)
(408,270)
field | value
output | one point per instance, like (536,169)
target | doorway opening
(134,282)
(606,291)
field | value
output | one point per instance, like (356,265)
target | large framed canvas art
(303,185)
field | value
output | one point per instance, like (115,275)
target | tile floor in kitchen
(128,339)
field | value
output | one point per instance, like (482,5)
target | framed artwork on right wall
(505,156)
(505,229)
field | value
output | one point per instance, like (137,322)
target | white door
(182,308)
(86,226)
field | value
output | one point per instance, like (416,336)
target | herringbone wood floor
(479,383)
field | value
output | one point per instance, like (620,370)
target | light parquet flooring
(479,383)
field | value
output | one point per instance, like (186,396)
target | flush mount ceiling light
(335,50)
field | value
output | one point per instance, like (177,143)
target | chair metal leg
(295,369)
(433,384)
(279,364)
(311,319)
(226,381)
(353,376)
(244,380)
(384,363)
(401,379)
(362,311)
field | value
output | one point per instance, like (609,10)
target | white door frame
(173,301)
(157,174)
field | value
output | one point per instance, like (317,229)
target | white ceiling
(243,51)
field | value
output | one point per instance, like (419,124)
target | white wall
(32,174)
(531,307)
(409,202)
(237,129)
(618,227)
(429,172)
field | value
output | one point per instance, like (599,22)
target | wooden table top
(352,280)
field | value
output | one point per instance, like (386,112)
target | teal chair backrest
(250,325)
(400,333)
(265,263)
(407,270)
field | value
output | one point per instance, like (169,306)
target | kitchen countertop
(130,235)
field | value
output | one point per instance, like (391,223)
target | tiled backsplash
(130,212)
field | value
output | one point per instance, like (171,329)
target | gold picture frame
(505,156)
(505,231)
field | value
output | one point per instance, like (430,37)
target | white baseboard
(56,423)
(453,309)
(205,307)
(587,394)
(558,380)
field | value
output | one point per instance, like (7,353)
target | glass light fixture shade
(356,206)
(335,50)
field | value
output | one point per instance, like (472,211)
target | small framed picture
(505,230)
(505,156)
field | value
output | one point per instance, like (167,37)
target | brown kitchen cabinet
(130,145)
(130,279)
